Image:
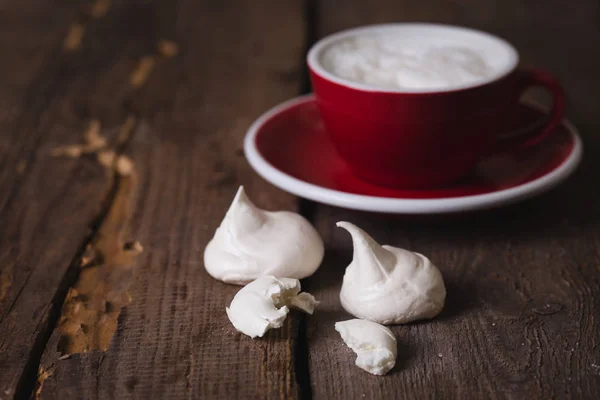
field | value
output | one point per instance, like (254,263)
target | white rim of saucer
(399,205)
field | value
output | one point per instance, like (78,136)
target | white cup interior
(500,55)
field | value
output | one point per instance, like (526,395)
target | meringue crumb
(94,140)
(106,158)
(89,255)
(142,71)
(124,166)
(100,8)
(126,128)
(263,304)
(135,246)
(374,344)
(168,48)
(73,40)
(73,151)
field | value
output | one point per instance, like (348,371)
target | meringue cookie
(389,285)
(252,242)
(264,304)
(374,344)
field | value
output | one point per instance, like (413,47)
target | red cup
(425,138)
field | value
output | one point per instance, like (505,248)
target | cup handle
(528,78)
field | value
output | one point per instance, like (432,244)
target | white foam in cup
(413,57)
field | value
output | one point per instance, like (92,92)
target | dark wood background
(521,319)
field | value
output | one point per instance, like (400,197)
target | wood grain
(174,339)
(49,205)
(521,315)
(25,81)
(521,319)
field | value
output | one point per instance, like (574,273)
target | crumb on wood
(72,150)
(124,166)
(43,374)
(94,141)
(168,48)
(134,246)
(126,129)
(93,138)
(99,8)
(73,40)
(106,158)
(90,311)
(142,71)
(89,255)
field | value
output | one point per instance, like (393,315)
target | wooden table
(522,314)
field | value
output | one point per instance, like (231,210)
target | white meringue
(252,242)
(389,285)
(264,304)
(374,344)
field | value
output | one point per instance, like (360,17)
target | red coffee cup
(427,137)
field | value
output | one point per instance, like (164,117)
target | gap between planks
(306,208)
(29,377)
(28,383)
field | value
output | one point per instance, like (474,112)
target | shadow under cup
(426,138)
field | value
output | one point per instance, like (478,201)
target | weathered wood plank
(48,204)
(24,81)
(174,340)
(496,338)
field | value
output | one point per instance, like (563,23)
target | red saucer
(289,147)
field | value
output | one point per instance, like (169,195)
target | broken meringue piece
(374,344)
(389,285)
(304,302)
(264,304)
(252,242)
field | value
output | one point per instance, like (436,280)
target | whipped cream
(264,304)
(389,285)
(393,61)
(252,242)
(374,344)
